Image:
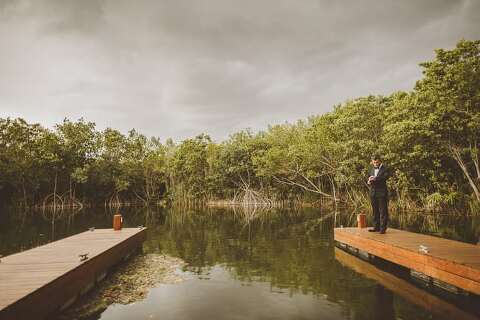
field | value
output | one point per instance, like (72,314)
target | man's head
(376,160)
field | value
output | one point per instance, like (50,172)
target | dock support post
(362,220)
(117,222)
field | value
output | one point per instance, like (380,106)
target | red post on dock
(117,222)
(362,220)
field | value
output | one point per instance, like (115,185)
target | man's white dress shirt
(376,170)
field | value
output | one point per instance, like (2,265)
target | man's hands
(370,180)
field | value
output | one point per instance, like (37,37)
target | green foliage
(189,167)
(428,136)
(432,134)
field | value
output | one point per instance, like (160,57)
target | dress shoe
(373,230)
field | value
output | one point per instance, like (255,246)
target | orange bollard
(362,220)
(117,222)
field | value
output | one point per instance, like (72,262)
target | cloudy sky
(176,68)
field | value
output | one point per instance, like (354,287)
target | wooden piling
(362,220)
(117,222)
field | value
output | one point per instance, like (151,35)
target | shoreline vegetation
(429,137)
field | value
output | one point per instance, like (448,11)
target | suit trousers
(380,211)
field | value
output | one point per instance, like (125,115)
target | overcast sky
(178,68)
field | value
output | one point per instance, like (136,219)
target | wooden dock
(437,306)
(452,262)
(37,283)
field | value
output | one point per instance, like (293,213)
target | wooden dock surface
(441,308)
(452,262)
(36,283)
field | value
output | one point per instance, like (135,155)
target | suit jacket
(378,187)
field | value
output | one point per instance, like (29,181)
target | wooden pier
(37,283)
(454,263)
(437,306)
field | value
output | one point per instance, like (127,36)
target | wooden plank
(404,289)
(451,261)
(34,284)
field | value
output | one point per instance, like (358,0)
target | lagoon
(240,264)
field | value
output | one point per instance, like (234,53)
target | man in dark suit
(377,180)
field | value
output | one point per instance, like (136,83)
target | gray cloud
(178,68)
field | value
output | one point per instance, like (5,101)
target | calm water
(272,265)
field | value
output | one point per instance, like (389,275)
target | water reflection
(390,284)
(222,297)
(262,265)
(383,306)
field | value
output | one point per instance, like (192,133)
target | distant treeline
(429,137)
